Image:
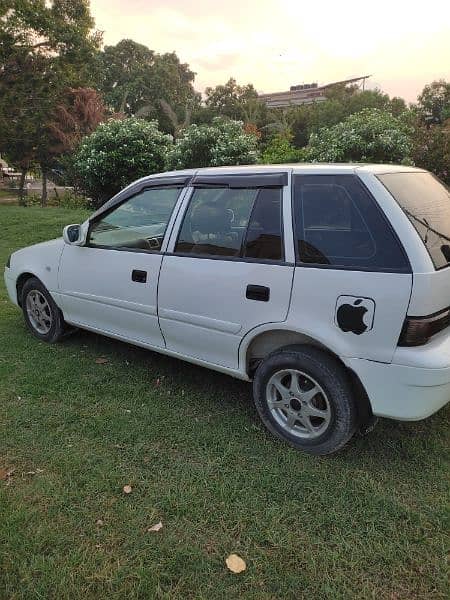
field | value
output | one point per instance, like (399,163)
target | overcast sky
(278,43)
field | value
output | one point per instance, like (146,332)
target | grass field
(369,522)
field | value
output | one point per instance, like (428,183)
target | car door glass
(264,238)
(243,222)
(215,222)
(138,223)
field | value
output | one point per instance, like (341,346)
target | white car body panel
(41,260)
(213,328)
(196,309)
(96,290)
(314,296)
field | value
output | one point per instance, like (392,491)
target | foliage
(78,113)
(434,102)
(117,153)
(431,149)
(371,135)
(280,150)
(230,100)
(224,142)
(341,102)
(45,47)
(136,81)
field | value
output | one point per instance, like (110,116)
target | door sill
(162,350)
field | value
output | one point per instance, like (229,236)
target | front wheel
(42,316)
(303,396)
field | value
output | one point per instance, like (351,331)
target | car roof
(296,168)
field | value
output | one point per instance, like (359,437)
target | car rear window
(426,202)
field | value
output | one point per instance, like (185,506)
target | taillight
(417,331)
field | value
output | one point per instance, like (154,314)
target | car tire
(43,318)
(303,396)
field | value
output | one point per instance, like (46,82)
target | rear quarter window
(426,202)
(338,224)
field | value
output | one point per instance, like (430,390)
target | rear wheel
(303,396)
(42,316)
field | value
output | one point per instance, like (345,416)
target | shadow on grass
(391,442)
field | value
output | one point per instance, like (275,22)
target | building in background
(305,93)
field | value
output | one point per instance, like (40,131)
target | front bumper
(414,386)
(10,286)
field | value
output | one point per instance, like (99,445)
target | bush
(372,135)
(70,199)
(432,149)
(280,150)
(224,142)
(117,153)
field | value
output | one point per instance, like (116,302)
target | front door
(226,272)
(110,284)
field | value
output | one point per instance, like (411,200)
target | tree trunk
(23,173)
(44,187)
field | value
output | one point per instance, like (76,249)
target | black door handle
(258,292)
(139,276)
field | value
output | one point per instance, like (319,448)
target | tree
(44,48)
(434,102)
(136,81)
(224,142)
(431,149)
(371,135)
(125,74)
(117,153)
(79,113)
(239,102)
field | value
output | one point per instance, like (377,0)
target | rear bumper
(401,392)
(414,386)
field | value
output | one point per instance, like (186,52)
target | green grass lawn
(369,522)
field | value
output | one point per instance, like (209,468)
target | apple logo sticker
(354,314)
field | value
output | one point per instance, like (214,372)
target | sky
(278,43)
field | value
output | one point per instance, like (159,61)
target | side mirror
(72,234)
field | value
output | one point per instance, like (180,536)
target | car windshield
(426,202)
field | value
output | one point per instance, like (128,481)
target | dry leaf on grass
(127,489)
(101,360)
(5,474)
(235,563)
(156,527)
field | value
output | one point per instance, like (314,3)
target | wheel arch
(20,282)
(268,341)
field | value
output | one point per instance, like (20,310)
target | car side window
(338,223)
(138,223)
(226,222)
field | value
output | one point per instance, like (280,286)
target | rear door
(226,270)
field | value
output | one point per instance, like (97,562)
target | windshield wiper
(425,223)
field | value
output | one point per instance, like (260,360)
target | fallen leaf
(127,489)
(155,527)
(235,563)
(101,360)
(6,473)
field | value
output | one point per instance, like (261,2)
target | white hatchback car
(327,285)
